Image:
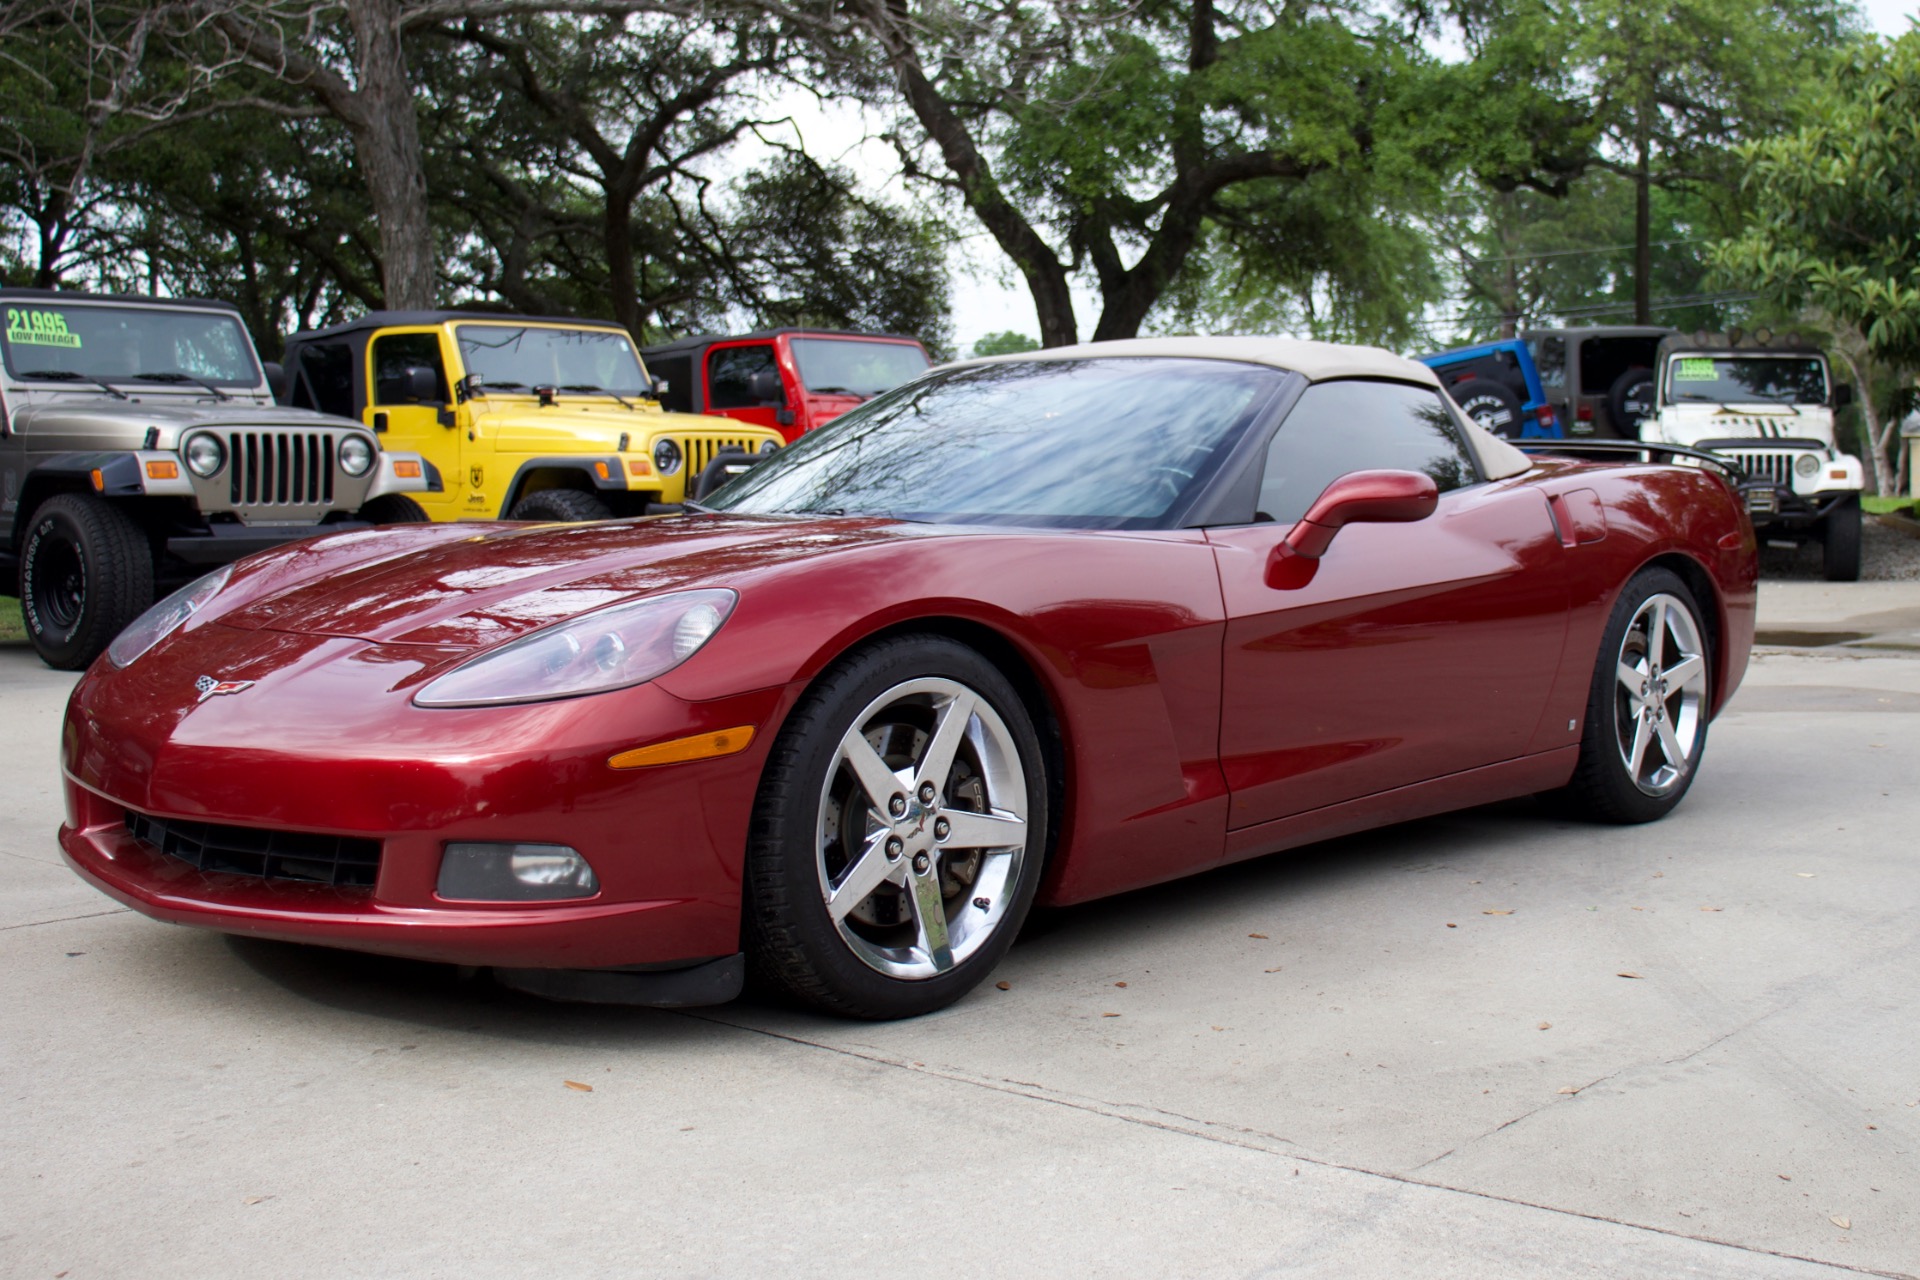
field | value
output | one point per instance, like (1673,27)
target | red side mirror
(1377,497)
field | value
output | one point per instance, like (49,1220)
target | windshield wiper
(68,375)
(180,378)
(590,389)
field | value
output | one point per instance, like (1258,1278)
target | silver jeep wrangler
(140,446)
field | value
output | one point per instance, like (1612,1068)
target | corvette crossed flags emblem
(208,686)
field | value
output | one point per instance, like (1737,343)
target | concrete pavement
(1330,1063)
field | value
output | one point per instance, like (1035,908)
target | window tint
(848,366)
(396,353)
(727,372)
(1495,366)
(123,342)
(323,378)
(677,373)
(1550,361)
(1341,427)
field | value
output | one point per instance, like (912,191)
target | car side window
(323,378)
(394,354)
(1357,425)
(1550,360)
(728,370)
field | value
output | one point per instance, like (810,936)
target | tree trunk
(1643,227)
(386,142)
(623,285)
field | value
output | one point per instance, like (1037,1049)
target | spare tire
(1630,402)
(1492,405)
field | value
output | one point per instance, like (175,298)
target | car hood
(172,415)
(1686,423)
(491,586)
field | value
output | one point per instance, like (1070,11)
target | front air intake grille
(280,468)
(1774,467)
(700,450)
(254,851)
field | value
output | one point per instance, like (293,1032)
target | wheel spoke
(930,919)
(879,782)
(1631,678)
(1642,735)
(1670,743)
(997,830)
(868,873)
(1657,637)
(936,762)
(1685,672)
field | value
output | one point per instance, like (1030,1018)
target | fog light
(514,873)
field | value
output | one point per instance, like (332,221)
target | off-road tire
(1630,402)
(562,506)
(86,571)
(1840,542)
(1603,789)
(1491,404)
(792,942)
(393,508)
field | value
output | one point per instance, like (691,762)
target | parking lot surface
(1494,1043)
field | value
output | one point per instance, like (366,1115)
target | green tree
(1006,343)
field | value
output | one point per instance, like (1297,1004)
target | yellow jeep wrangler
(526,418)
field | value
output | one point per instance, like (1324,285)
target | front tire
(1647,709)
(561,506)
(1840,542)
(899,834)
(85,573)
(393,508)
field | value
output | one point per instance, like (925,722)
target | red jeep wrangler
(792,380)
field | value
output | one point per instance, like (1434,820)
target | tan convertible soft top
(1318,361)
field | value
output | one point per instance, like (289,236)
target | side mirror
(764,385)
(1359,497)
(276,378)
(1842,394)
(659,388)
(419,384)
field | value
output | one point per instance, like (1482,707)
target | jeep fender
(113,474)
(606,474)
(386,478)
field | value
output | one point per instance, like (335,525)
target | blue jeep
(1498,386)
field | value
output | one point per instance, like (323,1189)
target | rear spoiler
(1636,451)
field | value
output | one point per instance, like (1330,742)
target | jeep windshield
(850,366)
(75,343)
(1747,380)
(1114,443)
(521,357)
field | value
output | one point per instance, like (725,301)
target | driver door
(416,424)
(1411,651)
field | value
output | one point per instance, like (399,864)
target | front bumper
(325,743)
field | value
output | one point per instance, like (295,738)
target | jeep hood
(174,416)
(590,424)
(1686,423)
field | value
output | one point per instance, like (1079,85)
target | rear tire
(561,506)
(899,834)
(85,573)
(1647,708)
(1492,405)
(1840,542)
(393,508)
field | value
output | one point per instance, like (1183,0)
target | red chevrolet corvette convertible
(1034,628)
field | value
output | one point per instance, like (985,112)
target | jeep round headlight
(666,456)
(356,455)
(205,455)
(1806,464)
(769,446)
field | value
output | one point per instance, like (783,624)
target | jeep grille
(700,450)
(280,468)
(1776,467)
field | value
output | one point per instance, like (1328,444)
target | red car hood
(485,588)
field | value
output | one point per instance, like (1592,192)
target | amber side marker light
(158,470)
(639,467)
(701,746)
(408,470)
(99,481)
(600,469)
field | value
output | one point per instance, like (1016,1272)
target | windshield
(1110,443)
(523,356)
(848,366)
(1747,379)
(119,343)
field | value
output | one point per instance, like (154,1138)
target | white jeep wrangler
(1768,408)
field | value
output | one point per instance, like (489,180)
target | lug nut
(897,806)
(983,903)
(940,828)
(926,793)
(920,864)
(894,848)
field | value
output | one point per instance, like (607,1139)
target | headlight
(611,648)
(1806,464)
(157,623)
(356,455)
(205,456)
(666,456)
(769,446)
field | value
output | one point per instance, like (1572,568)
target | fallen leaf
(1546,1026)
(1873,1126)
(1261,936)
(1658,875)
(1109,1015)
(1639,908)
(1004,986)
(1569,1089)
(1498,911)
(1713,908)
(1845,1224)
(1784,1177)
(1119,984)
(1277,968)
(1219,1028)
(248,1200)
(575,1084)
(686,1128)
(1452,925)
(71,955)
(1626,973)
(1804,875)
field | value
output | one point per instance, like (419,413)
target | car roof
(143,299)
(399,319)
(699,340)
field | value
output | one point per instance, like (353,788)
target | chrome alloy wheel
(922,828)
(1660,694)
